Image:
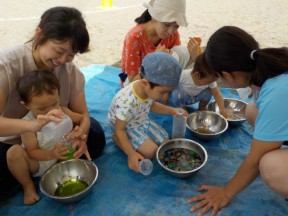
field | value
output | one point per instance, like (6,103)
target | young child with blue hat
(134,133)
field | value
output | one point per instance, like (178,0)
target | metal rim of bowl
(182,172)
(209,135)
(233,99)
(67,197)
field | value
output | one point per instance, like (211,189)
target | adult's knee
(267,167)
(273,170)
(182,55)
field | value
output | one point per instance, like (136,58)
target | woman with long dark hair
(237,58)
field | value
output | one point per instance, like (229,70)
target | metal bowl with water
(235,110)
(184,144)
(206,125)
(68,171)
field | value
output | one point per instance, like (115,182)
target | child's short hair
(35,83)
(200,66)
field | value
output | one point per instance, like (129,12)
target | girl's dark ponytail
(270,62)
(232,49)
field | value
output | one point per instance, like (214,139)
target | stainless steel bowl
(206,125)
(235,108)
(68,170)
(182,143)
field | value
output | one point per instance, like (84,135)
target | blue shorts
(150,129)
(185,100)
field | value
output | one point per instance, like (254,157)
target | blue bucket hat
(161,68)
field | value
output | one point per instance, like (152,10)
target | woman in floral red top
(156,30)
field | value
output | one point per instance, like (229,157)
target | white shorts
(43,166)
(150,129)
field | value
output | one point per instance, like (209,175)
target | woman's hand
(133,161)
(55,115)
(81,146)
(77,132)
(194,49)
(214,198)
(79,142)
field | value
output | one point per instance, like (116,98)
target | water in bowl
(70,188)
(232,115)
(180,159)
(204,130)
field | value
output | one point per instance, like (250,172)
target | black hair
(201,67)
(142,75)
(36,83)
(229,49)
(62,24)
(144,18)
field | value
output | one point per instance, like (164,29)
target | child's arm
(125,145)
(219,100)
(159,108)
(31,146)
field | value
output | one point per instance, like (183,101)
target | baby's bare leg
(148,149)
(273,169)
(20,165)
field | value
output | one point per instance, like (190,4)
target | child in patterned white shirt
(135,134)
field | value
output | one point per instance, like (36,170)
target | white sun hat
(168,11)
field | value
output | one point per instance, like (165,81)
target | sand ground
(266,20)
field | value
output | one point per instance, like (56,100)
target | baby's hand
(133,161)
(59,151)
(224,113)
(162,48)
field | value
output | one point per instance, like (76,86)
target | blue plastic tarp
(120,191)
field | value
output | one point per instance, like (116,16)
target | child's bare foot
(30,195)
(203,106)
